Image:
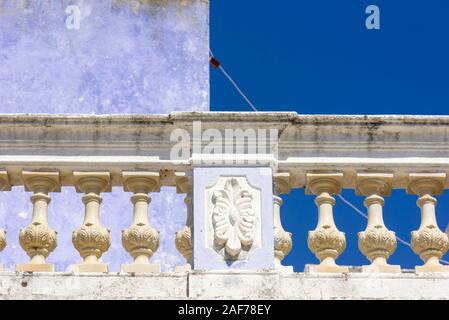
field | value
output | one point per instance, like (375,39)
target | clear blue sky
(317,57)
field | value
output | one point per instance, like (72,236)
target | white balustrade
(323,155)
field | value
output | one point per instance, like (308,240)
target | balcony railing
(232,195)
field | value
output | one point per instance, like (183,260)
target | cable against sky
(216,63)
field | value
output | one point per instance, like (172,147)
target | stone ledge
(266,285)
(92,286)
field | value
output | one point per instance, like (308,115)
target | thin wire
(340,196)
(234,84)
(366,217)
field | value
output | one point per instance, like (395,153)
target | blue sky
(317,57)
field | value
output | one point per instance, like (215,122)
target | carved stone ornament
(91,240)
(326,241)
(282,239)
(235,218)
(183,238)
(37,239)
(183,242)
(430,242)
(282,243)
(377,242)
(140,239)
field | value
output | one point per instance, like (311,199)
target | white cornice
(345,143)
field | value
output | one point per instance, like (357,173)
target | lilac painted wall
(128,56)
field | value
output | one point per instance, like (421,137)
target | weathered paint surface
(126,57)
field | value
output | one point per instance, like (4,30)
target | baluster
(183,240)
(5,185)
(429,242)
(141,240)
(282,239)
(92,239)
(377,243)
(38,239)
(326,241)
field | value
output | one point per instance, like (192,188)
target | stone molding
(116,143)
